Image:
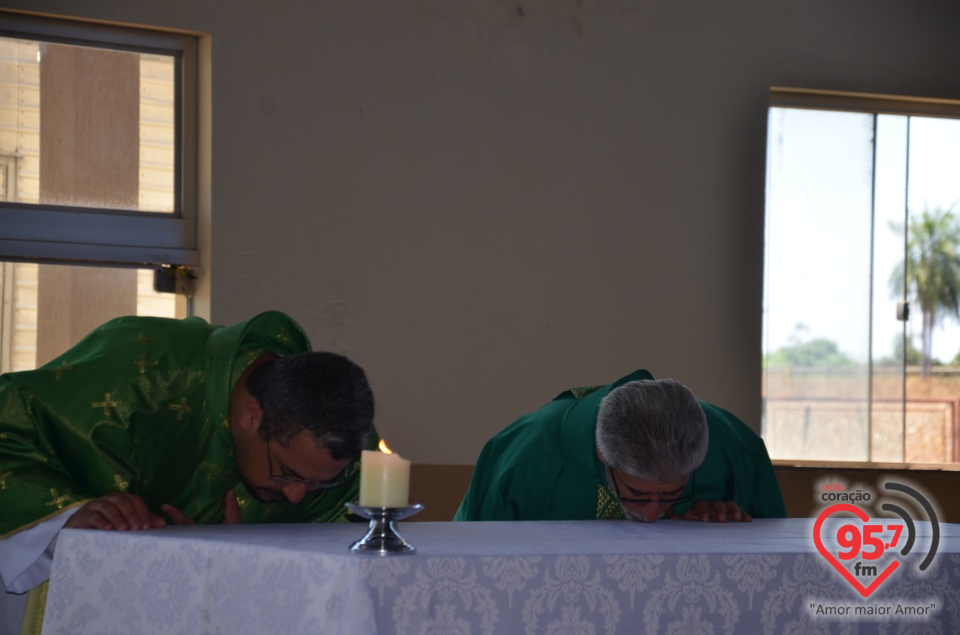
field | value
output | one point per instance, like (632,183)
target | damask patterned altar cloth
(589,577)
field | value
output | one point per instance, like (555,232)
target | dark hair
(324,393)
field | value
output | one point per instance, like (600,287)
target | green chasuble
(141,405)
(544,466)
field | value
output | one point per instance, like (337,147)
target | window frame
(782,97)
(91,235)
(874,104)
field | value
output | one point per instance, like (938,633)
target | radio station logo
(867,550)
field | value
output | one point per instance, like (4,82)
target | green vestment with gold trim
(141,405)
(545,466)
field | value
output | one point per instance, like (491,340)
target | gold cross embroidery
(106,404)
(144,339)
(143,362)
(213,469)
(57,499)
(583,391)
(61,369)
(121,484)
(182,408)
(284,335)
(3,480)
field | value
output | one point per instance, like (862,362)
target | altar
(491,577)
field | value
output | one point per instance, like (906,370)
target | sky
(821,182)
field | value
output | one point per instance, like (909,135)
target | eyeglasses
(312,486)
(644,501)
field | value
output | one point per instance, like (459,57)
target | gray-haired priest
(639,448)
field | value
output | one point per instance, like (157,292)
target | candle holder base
(382,537)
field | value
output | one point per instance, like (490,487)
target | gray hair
(652,429)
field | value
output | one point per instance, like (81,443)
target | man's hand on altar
(116,510)
(719,511)
(231,512)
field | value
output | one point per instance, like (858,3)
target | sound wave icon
(908,521)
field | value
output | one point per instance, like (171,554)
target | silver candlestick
(382,537)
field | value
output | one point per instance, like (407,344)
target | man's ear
(252,415)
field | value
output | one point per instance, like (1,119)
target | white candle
(384,479)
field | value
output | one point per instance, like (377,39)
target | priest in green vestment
(638,448)
(150,420)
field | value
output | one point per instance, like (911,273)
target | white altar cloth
(494,577)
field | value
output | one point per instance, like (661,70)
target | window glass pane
(20,120)
(157,151)
(847,376)
(87,127)
(932,425)
(817,284)
(49,308)
(889,345)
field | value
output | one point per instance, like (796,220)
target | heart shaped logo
(859,513)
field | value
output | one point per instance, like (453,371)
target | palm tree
(932,272)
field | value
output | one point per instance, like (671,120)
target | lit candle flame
(384,448)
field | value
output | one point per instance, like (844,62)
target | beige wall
(484,208)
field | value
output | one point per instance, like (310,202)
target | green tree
(909,353)
(815,352)
(930,273)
